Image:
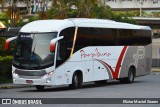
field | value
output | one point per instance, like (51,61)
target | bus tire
(39,87)
(76,81)
(130,78)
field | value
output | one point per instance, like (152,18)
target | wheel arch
(133,68)
(77,80)
(79,73)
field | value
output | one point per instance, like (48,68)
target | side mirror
(53,43)
(6,46)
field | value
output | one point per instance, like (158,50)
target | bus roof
(58,25)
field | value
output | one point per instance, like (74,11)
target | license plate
(29,81)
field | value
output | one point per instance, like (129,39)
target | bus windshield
(33,51)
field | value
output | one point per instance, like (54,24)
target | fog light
(48,80)
(14,80)
(15,75)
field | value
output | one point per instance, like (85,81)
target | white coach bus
(74,51)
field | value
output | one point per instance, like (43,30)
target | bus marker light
(52,47)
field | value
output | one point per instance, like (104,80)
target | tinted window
(111,37)
(94,37)
(134,37)
(65,45)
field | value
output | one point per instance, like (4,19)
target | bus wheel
(39,87)
(76,81)
(130,78)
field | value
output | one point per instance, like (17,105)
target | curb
(155,73)
(6,87)
(14,86)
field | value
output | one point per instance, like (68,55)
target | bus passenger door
(88,74)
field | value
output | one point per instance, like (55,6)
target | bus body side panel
(59,74)
(73,66)
(100,62)
(148,57)
(70,68)
(110,62)
(138,57)
(64,73)
(100,71)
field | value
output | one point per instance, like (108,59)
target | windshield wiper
(16,63)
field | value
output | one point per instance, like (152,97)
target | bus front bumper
(40,81)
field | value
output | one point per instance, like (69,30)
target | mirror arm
(53,41)
(8,41)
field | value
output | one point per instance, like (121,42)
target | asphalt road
(143,87)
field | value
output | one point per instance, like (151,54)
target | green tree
(123,17)
(155,14)
(85,9)
(59,9)
(13,12)
(4,18)
(102,12)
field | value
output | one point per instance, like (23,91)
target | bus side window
(62,51)
(65,45)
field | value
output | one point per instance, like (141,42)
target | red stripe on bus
(117,70)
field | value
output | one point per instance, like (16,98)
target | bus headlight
(48,75)
(15,75)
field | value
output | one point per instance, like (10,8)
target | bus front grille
(28,73)
(29,77)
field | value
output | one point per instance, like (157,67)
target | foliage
(62,9)
(2,51)
(5,80)
(72,13)
(2,41)
(102,12)
(6,59)
(154,14)
(123,17)
(21,23)
(33,18)
(5,66)
(4,18)
(86,9)
(137,13)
